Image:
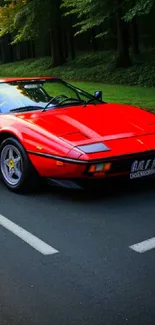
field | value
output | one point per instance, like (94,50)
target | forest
(95,40)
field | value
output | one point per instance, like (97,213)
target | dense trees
(32,28)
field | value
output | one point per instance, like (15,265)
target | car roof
(3,80)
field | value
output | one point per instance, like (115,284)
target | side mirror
(98,95)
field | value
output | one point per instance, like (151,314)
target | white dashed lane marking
(26,236)
(144,246)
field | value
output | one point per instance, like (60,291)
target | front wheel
(16,169)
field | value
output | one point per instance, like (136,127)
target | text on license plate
(142,168)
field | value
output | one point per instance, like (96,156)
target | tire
(24,177)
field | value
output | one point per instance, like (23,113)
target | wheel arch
(5,134)
(30,177)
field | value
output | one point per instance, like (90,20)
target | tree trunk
(71,44)
(93,39)
(123,59)
(6,49)
(22,50)
(57,33)
(57,47)
(65,45)
(134,37)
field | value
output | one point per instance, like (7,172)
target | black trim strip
(69,160)
(78,161)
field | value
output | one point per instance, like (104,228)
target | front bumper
(128,167)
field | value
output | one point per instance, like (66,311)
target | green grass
(138,96)
(95,71)
(92,67)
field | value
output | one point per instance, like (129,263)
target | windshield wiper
(25,108)
(63,102)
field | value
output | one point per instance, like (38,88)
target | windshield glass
(41,94)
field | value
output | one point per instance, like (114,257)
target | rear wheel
(17,171)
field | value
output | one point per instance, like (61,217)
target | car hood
(92,123)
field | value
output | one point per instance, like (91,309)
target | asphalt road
(95,278)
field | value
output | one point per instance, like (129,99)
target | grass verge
(92,67)
(138,96)
(95,72)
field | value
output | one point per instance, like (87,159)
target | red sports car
(50,129)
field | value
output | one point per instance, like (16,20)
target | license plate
(142,168)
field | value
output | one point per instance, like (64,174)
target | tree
(134,9)
(138,8)
(37,27)
(31,19)
(93,13)
(134,36)
(123,57)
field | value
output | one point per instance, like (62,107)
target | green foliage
(24,23)
(90,13)
(137,96)
(90,67)
(27,19)
(7,13)
(140,7)
(95,72)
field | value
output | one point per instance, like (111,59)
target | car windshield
(41,94)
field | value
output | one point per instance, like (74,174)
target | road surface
(67,258)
